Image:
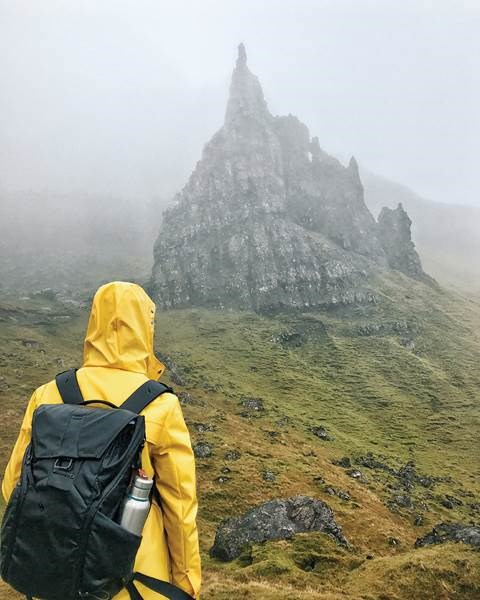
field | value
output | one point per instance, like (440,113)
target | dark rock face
(451,532)
(344,462)
(275,520)
(451,502)
(268,219)
(232,455)
(358,475)
(254,404)
(321,433)
(394,230)
(269,476)
(186,398)
(202,450)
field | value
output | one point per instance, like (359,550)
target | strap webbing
(157,585)
(132,591)
(68,387)
(142,396)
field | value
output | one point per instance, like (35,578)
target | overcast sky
(118,97)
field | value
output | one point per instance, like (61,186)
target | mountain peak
(269,220)
(246,98)
(242,55)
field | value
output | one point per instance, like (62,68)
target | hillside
(312,353)
(447,236)
(398,379)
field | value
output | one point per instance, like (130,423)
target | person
(118,358)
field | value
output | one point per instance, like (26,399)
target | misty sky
(118,97)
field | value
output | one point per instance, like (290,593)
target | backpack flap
(68,431)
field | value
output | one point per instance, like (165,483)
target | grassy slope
(369,391)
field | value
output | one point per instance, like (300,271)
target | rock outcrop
(451,532)
(275,520)
(267,219)
(394,231)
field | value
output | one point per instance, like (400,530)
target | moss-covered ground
(399,379)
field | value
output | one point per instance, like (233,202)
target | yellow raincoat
(118,358)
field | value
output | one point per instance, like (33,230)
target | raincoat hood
(120,330)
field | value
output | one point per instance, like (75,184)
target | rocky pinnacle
(269,220)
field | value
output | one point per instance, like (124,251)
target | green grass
(371,392)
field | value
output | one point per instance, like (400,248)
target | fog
(105,107)
(118,97)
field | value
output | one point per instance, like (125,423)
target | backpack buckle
(61,465)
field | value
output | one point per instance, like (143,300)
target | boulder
(253,404)
(321,433)
(344,462)
(232,455)
(358,475)
(269,476)
(202,450)
(275,520)
(451,532)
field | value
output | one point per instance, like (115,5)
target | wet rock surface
(275,520)
(451,501)
(344,462)
(404,485)
(232,455)
(268,220)
(320,432)
(406,475)
(253,404)
(204,427)
(394,227)
(187,399)
(202,450)
(331,491)
(269,476)
(451,532)
(289,338)
(357,475)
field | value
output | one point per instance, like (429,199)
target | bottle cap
(142,482)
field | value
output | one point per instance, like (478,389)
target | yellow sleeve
(174,465)
(14,466)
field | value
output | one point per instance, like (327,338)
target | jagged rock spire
(246,95)
(394,229)
(353,165)
(354,170)
(242,56)
(270,220)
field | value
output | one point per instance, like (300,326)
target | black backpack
(60,537)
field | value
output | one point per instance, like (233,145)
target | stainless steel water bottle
(137,504)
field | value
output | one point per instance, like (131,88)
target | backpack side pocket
(109,556)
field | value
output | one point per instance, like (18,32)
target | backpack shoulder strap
(142,396)
(68,387)
(157,585)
